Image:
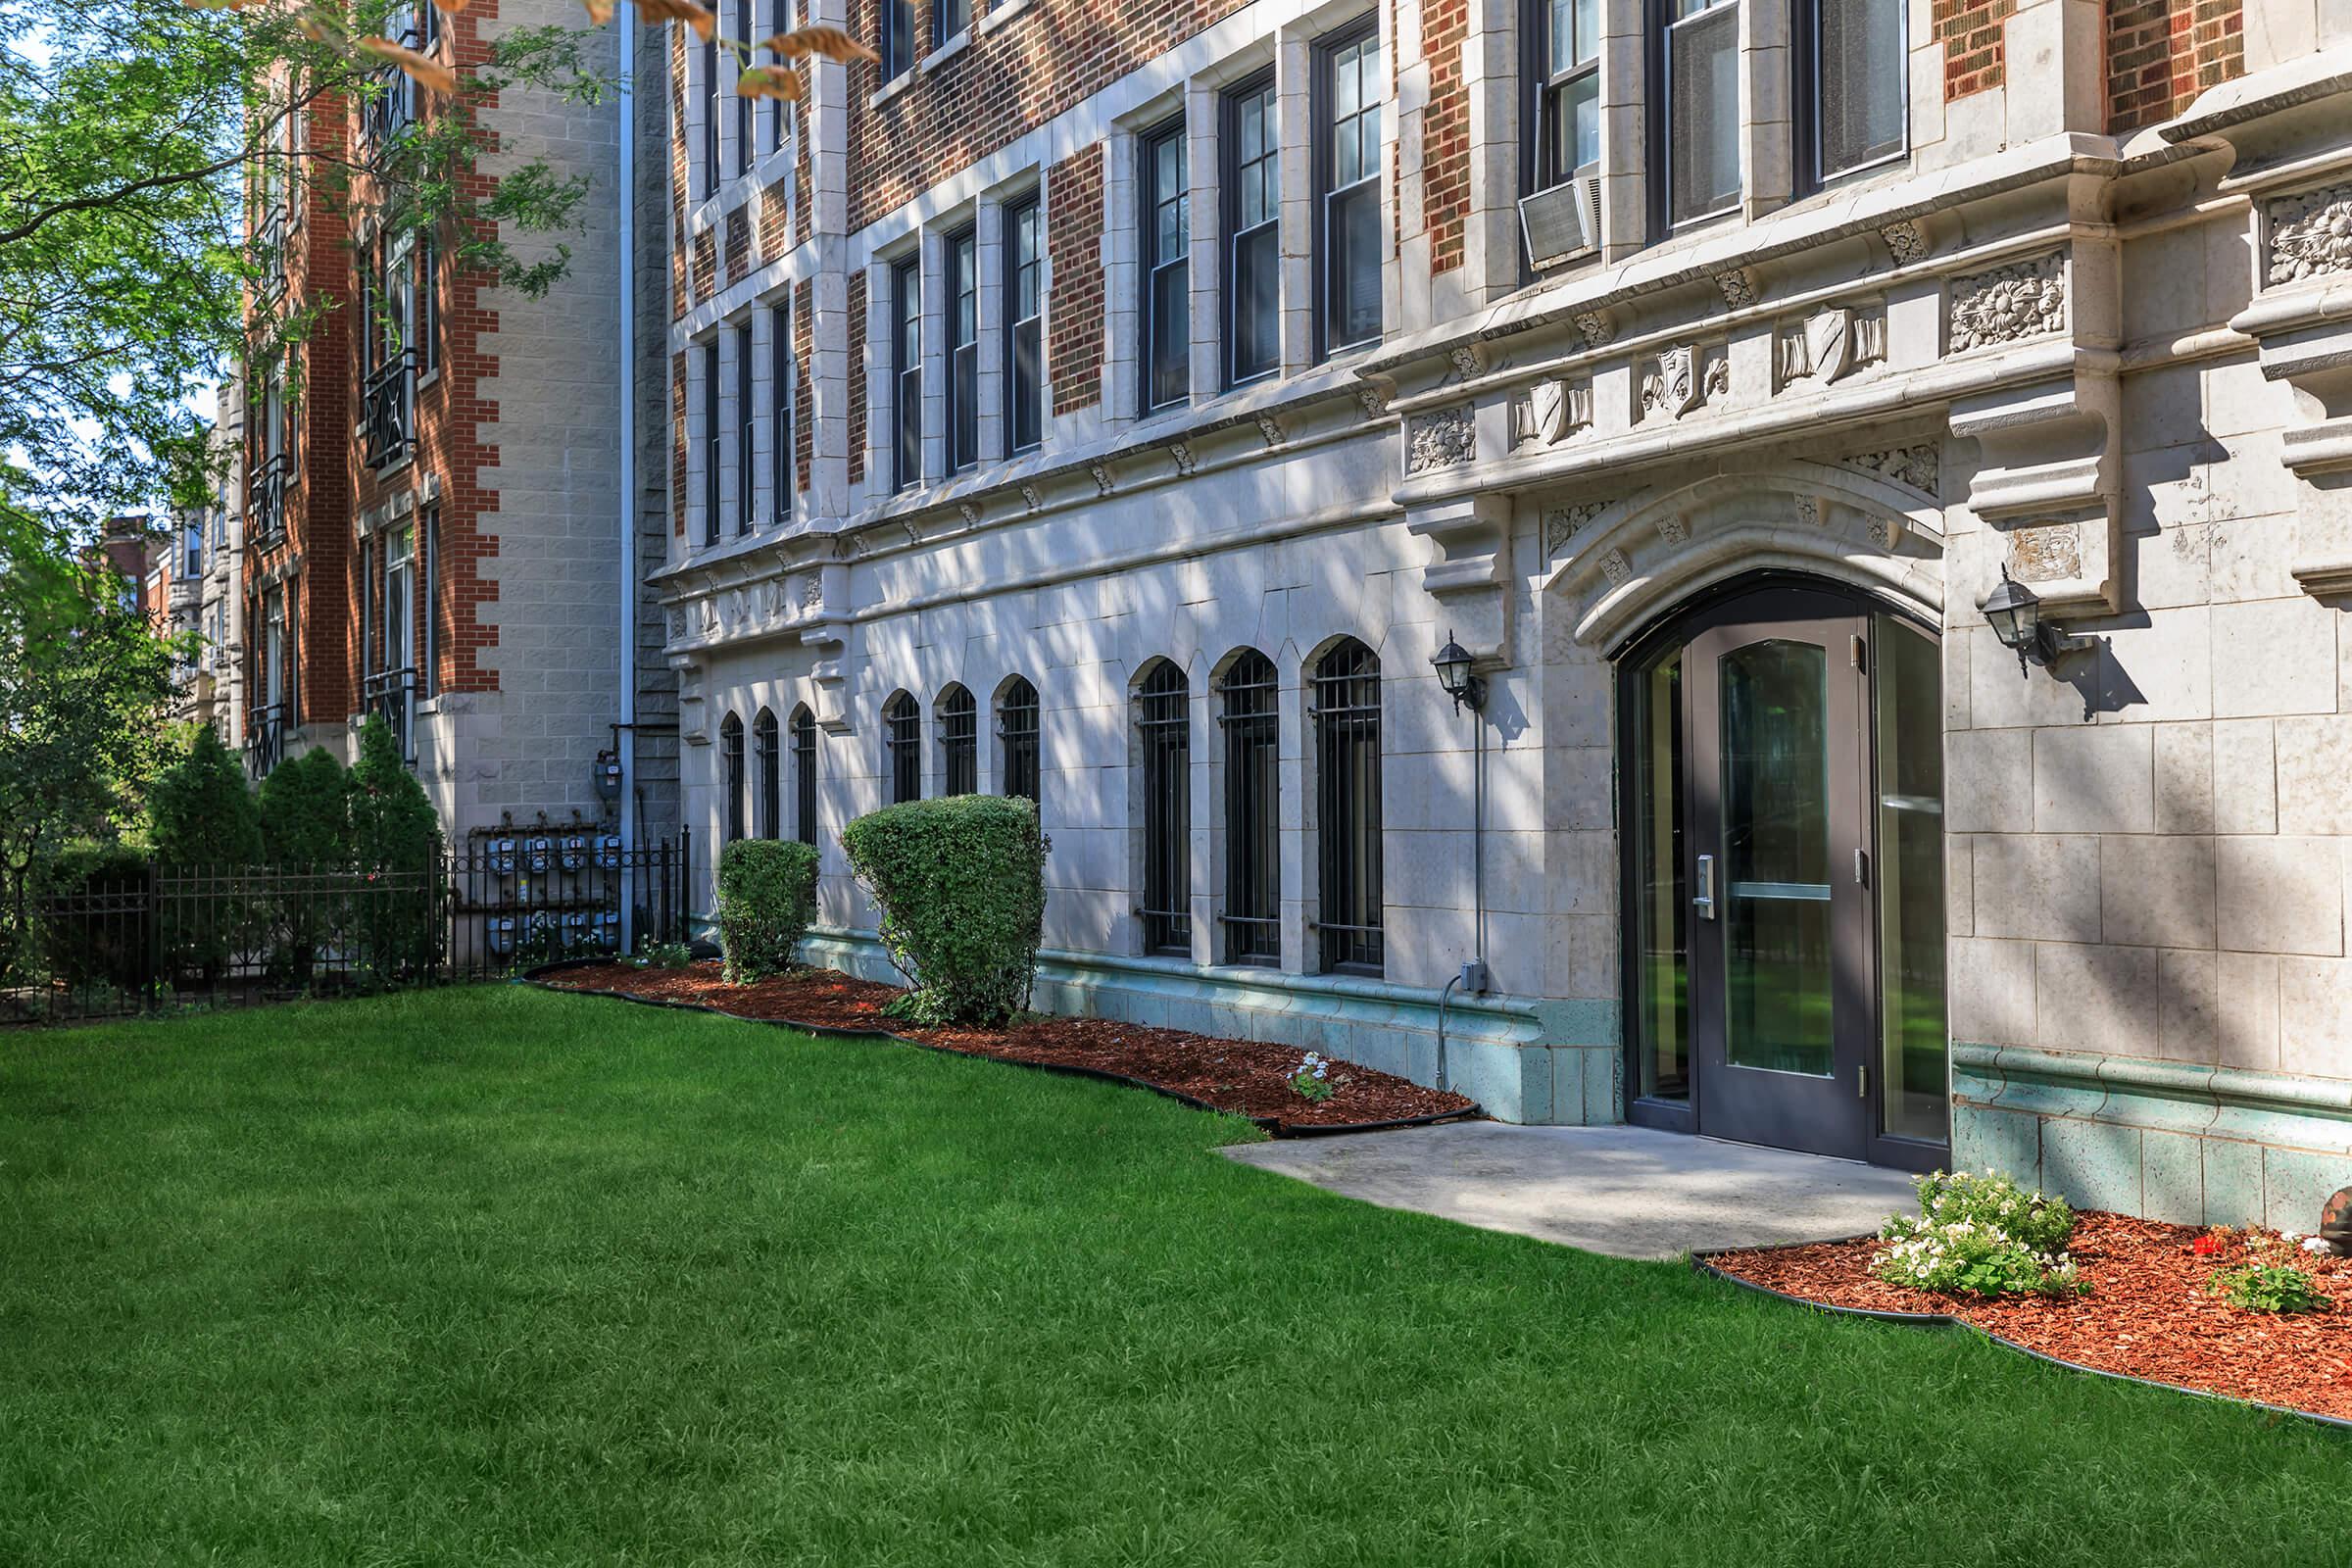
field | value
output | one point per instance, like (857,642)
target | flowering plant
(1983,1236)
(2269,1288)
(1309,1082)
(2207,1245)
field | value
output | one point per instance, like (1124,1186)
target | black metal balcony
(392,695)
(390,108)
(388,412)
(265,502)
(265,738)
(268,251)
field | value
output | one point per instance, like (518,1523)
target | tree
(200,814)
(306,835)
(395,836)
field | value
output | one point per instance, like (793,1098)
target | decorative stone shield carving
(1672,388)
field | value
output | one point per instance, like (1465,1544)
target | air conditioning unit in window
(1563,222)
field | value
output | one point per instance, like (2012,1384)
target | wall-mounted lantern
(1456,680)
(2015,612)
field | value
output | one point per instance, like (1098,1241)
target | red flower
(2207,1245)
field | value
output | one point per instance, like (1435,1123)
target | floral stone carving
(2311,234)
(1439,439)
(2022,300)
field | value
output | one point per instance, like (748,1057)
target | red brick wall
(706,265)
(855,326)
(804,346)
(1975,55)
(1445,134)
(1075,247)
(2162,53)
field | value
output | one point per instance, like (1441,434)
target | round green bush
(766,898)
(962,886)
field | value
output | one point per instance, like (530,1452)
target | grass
(494,1276)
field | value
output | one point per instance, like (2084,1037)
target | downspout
(625,735)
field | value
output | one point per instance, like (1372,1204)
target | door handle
(1703,901)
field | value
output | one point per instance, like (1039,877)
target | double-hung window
(963,349)
(907,372)
(1252,145)
(779,22)
(1024,344)
(711,443)
(747,430)
(1347,86)
(1851,81)
(709,160)
(949,20)
(1567,86)
(1167,270)
(1696,138)
(784,374)
(743,107)
(898,38)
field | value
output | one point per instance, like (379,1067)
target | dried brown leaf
(825,42)
(419,68)
(770,81)
(453,7)
(600,12)
(699,17)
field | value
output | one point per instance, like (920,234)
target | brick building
(437,500)
(1123,405)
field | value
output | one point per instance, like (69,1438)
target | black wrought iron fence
(151,938)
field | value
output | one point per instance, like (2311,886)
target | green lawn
(494,1276)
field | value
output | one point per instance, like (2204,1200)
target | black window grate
(1164,728)
(768,764)
(1017,729)
(730,757)
(959,741)
(803,775)
(1252,918)
(903,735)
(1347,722)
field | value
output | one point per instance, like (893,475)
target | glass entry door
(1784,847)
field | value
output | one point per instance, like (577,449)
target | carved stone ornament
(1616,568)
(1101,478)
(1739,287)
(1375,402)
(1673,529)
(1269,429)
(1906,241)
(1597,325)
(2311,234)
(1465,360)
(915,536)
(1439,439)
(2045,553)
(848,546)
(1916,467)
(812,590)
(970,511)
(1562,523)
(2025,299)
(1808,510)
(1029,497)
(1881,532)
(1181,456)
(1672,387)
(677,624)
(1716,379)
(1556,409)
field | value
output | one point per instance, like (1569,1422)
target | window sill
(890,90)
(998,16)
(944,53)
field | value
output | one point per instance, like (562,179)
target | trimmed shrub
(766,898)
(962,885)
(394,839)
(203,822)
(305,828)
(94,917)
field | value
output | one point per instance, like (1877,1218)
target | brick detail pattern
(2161,54)
(1074,252)
(706,265)
(857,391)
(678,172)
(739,245)
(774,241)
(1976,56)
(677,445)
(1049,59)
(804,348)
(1446,134)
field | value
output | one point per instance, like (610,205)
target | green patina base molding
(1524,1060)
(2194,1144)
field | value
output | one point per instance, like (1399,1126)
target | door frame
(1751,597)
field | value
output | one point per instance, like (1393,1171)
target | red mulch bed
(2148,1313)
(1246,1077)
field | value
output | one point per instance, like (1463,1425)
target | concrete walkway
(1625,1191)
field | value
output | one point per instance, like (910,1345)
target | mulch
(1249,1078)
(2148,1313)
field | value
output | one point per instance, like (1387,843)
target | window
(1167,270)
(903,741)
(767,767)
(711,442)
(1346,713)
(1254,252)
(1348,85)
(779,21)
(958,740)
(730,775)
(428,594)
(747,430)
(1567,88)
(1697,140)
(709,65)
(428,302)
(1016,729)
(785,374)
(1252,918)
(1851,84)
(963,349)
(898,38)
(949,18)
(1163,725)
(804,775)
(1024,345)
(907,372)
(743,30)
